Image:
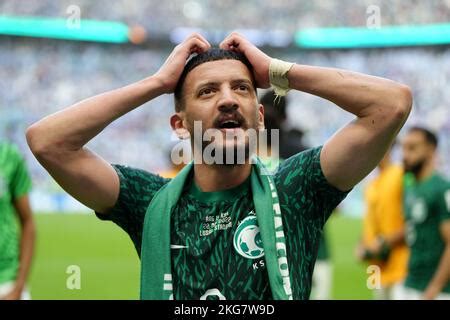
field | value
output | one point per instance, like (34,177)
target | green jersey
(216,248)
(14,183)
(427,205)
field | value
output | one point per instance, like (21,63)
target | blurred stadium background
(43,68)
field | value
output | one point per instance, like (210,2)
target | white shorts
(322,280)
(392,292)
(406,293)
(7,287)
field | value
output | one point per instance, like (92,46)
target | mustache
(235,115)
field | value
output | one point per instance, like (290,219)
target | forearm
(360,94)
(58,140)
(441,276)
(71,128)
(381,108)
(26,253)
(396,239)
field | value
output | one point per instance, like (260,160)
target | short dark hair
(208,56)
(429,136)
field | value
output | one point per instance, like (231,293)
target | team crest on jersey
(247,239)
(419,211)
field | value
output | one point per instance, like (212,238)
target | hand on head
(258,59)
(172,69)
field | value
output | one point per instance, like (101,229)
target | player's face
(416,151)
(220,94)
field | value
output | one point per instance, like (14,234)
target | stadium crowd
(48,76)
(40,76)
(287,15)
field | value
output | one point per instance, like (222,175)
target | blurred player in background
(290,141)
(173,169)
(383,228)
(16,244)
(275,115)
(427,215)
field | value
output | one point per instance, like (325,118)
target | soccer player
(288,141)
(275,116)
(16,249)
(383,228)
(427,215)
(226,229)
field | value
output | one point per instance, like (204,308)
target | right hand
(171,70)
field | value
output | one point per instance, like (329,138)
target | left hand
(258,59)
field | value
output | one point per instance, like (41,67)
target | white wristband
(278,70)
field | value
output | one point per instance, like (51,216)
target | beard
(224,147)
(414,168)
(228,150)
(231,155)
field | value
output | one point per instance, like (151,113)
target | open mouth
(230,124)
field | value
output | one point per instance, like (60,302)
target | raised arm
(58,141)
(381,108)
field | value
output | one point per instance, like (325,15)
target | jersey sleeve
(137,188)
(20,183)
(303,183)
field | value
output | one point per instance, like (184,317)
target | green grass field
(110,267)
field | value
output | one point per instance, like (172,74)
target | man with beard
(224,230)
(427,215)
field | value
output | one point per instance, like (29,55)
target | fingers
(234,41)
(195,43)
(200,37)
(198,46)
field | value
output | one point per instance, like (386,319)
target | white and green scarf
(156,275)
